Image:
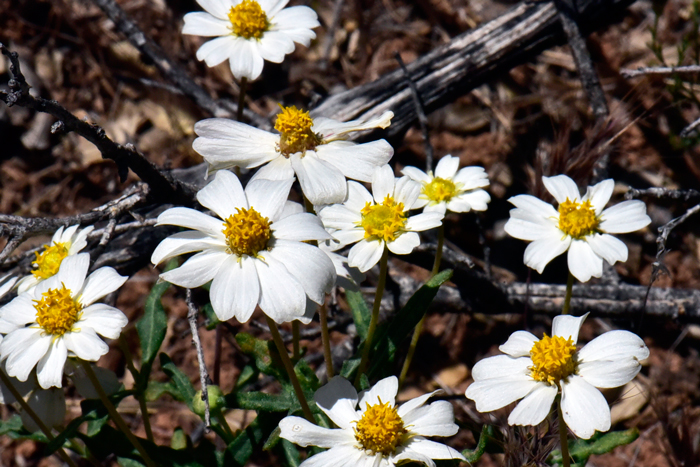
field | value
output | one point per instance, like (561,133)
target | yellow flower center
(248,20)
(553,359)
(294,126)
(385,221)
(49,261)
(57,312)
(380,429)
(439,189)
(247,232)
(577,219)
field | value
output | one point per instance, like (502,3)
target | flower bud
(216,401)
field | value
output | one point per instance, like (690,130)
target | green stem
(419,327)
(222,421)
(139,394)
(296,348)
(39,422)
(116,418)
(563,436)
(241,98)
(567,299)
(326,339)
(383,263)
(287,362)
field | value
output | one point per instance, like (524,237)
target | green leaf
(13,424)
(291,454)
(361,314)
(179,440)
(212,319)
(264,354)
(350,367)
(184,390)
(307,378)
(248,375)
(157,389)
(487,433)
(250,440)
(581,449)
(262,401)
(126,462)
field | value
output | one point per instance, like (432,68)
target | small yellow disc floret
(48,261)
(248,20)
(385,221)
(57,312)
(296,135)
(577,219)
(553,359)
(439,190)
(247,232)
(380,429)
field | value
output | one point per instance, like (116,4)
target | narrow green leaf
(13,424)
(250,440)
(291,454)
(581,449)
(265,355)
(307,377)
(183,386)
(361,314)
(126,462)
(487,433)
(212,319)
(262,401)
(248,375)
(156,389)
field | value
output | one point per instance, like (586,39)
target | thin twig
(192,313)
(330,33)
(420,112)
(659,70)
(689,129)
(685,195)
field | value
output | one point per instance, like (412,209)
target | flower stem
(296,348)
(419,326)
(139,395)
(563,437)
(383,263)
(241,98)
(287,362)
(39,422)
(569,290)
(116,418)
(326,338)
(224,424)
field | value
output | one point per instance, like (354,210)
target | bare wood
(465,62)
(660,70)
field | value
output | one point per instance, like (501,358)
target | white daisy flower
(450,189)
(250,32)
(313,149)
(535,370)
(380,219)
(378,434)
(59,318)
(254,253)
(64,243)
(579,225)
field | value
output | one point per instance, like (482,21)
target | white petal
(73,271)
(409,406)
(273,46)
(447,167)
(534,407)
(226,143)
(609,374)
(321,182)
(607,247)
(182,243)
(333,129)
(525,226)
(58,235)
(624,217)
(235,290)
(338,400)
(104,320)
(472,177)
(311,267)
(535,206)
(300,227)
(492,394)
(198,270)
(476,200)
(343,455)
(424,221)
(583,262)
(296,18)
(339,216)
(217,8)
(358,197)
(49,370)
(223,195)
(191,219)
(247,61)
(102,282)
(217,51)
(300,431)
(436,419)
(19,311)
(404,243)
(433,450)
(26,283)
(519,344)
(384,391)
(382,183)
(568,326)
(562,188)
(79,240)
(614,345)
(416,174)
(356,161)
(600,194)
(348,237)
(279,168)
(365,254)
(501,366)
(540,252)
(268,197)
(282,297)
(584,407)
(200,23)
(85,344)
(402,455)
(407,192)
(23,348)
